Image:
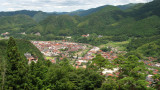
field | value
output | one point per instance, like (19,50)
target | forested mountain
(26,12)
(128,6)
(15,23)
(36,15)
(85,12)
(135,22)
(138,20)
(77,12)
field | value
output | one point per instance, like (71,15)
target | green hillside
(26,12)
(147,46)
(23,47)
(15,24)
(40,16)
(150,49)
(139,20)
(58,25)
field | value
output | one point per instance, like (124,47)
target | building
(38,34)
(85,35)
(4,34)
(30,58)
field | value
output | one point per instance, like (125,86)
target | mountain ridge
(108,21)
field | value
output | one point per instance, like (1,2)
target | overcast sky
(59,5)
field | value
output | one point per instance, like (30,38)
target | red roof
(110,75)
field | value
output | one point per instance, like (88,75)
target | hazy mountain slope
(86,12)
(15,23)
(26,12)
(93,10)
(148,9)
(40,16)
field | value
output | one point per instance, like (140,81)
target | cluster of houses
(151,62)
(82,61)
(85,35)
(53,48)
(64,49)
(149,77)
(90,54)
(96,50)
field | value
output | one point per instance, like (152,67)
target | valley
(104,48)
(58,50)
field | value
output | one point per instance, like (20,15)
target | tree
(105,49)
(156,78)
(36,76)
(101,63)
(132,73)
(16,67)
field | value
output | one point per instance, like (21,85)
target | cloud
(59,5)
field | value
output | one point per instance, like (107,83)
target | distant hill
(36,15)
(85,12)
(141,20)
(40,16)
(58,24)
(148,9)
(132,20)
(93,10)
(80,12)
(127,6)
(17,23)
(26,12)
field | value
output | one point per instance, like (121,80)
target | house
(23,33)
(109,71)
(77,67)
(149,78)
(85,35)
(157,65)
(99,36)
(84,66)
(69,37)
(109,75)
(30,58)
(53,61)
(38,34)
(4,34)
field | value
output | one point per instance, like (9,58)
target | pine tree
(15,67)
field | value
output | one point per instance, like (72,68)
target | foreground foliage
(17,74)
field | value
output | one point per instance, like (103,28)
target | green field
(49,57)
(121,46)
(1,38)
